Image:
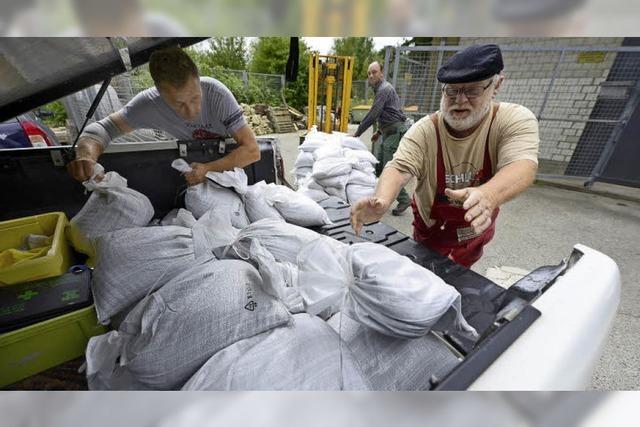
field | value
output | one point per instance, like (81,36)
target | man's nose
(460,95)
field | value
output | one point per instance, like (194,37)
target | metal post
(245,79)
(556,70)
(432,105)
(396,65)
(609,147)
(387,61)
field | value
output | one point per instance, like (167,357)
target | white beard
(468,122)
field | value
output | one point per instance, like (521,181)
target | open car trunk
(545,332)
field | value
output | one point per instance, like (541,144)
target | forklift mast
(329,80)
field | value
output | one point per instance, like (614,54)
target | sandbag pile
(335,165)
(234,293)
(171,333)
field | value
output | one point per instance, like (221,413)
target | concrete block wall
(573,94)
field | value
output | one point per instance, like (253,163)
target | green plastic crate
(36,348)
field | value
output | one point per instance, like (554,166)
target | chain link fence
(247,87)
(360,93)
(582,93)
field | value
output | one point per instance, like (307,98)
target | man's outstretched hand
(478,203)
(367,210)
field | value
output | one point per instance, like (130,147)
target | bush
(59,114)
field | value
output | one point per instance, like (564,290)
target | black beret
(472,64)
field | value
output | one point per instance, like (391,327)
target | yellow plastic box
(57,260)
(36,348)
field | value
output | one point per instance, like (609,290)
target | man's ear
(499,80)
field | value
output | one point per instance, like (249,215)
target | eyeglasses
(469,92)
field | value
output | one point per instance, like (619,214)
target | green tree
(362,49)
(269,55)
(228,52)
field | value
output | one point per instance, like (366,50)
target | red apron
(450,235)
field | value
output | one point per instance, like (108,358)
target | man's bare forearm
(89,148)
(240,157)
(510,181)
(389,185)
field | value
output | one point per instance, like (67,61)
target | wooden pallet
(281,120)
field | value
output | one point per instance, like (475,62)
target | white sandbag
(132,262)
(356,192)
(335,185)
(220,189)
(174,331)
(394,364)
(364,166)
(362,178)
(180,217)
(315,195)
(331,166)
(281,239)
(279,279)
(111,206)
(353,143)
(304,159)
(310,188)
(302,173)
(313,184)
(235,180)
(361,155)
(376,286)
(338,181)
(296,208)
(339,192)
(256,204)
(202,197)
(327,150)
(305,355)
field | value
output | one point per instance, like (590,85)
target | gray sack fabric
(174,331)
(390,363)
(130,263)
(281,239)
(302,356)
(376,286)
(111,206)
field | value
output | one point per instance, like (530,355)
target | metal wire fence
(582,95)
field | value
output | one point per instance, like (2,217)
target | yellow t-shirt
(514,136)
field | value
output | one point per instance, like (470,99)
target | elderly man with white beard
(469,158)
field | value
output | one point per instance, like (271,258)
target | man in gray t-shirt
(182,104)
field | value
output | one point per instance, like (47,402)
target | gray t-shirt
(219,117)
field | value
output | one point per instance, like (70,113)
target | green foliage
(270,54)
(59,114)
(141,78)
(228,52)
(249,91)
(362,49)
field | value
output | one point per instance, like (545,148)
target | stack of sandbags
(334,165)
(249,203)
(171,333)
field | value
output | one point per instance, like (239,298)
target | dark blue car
(26,131)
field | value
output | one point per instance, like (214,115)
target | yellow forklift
(329,82)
